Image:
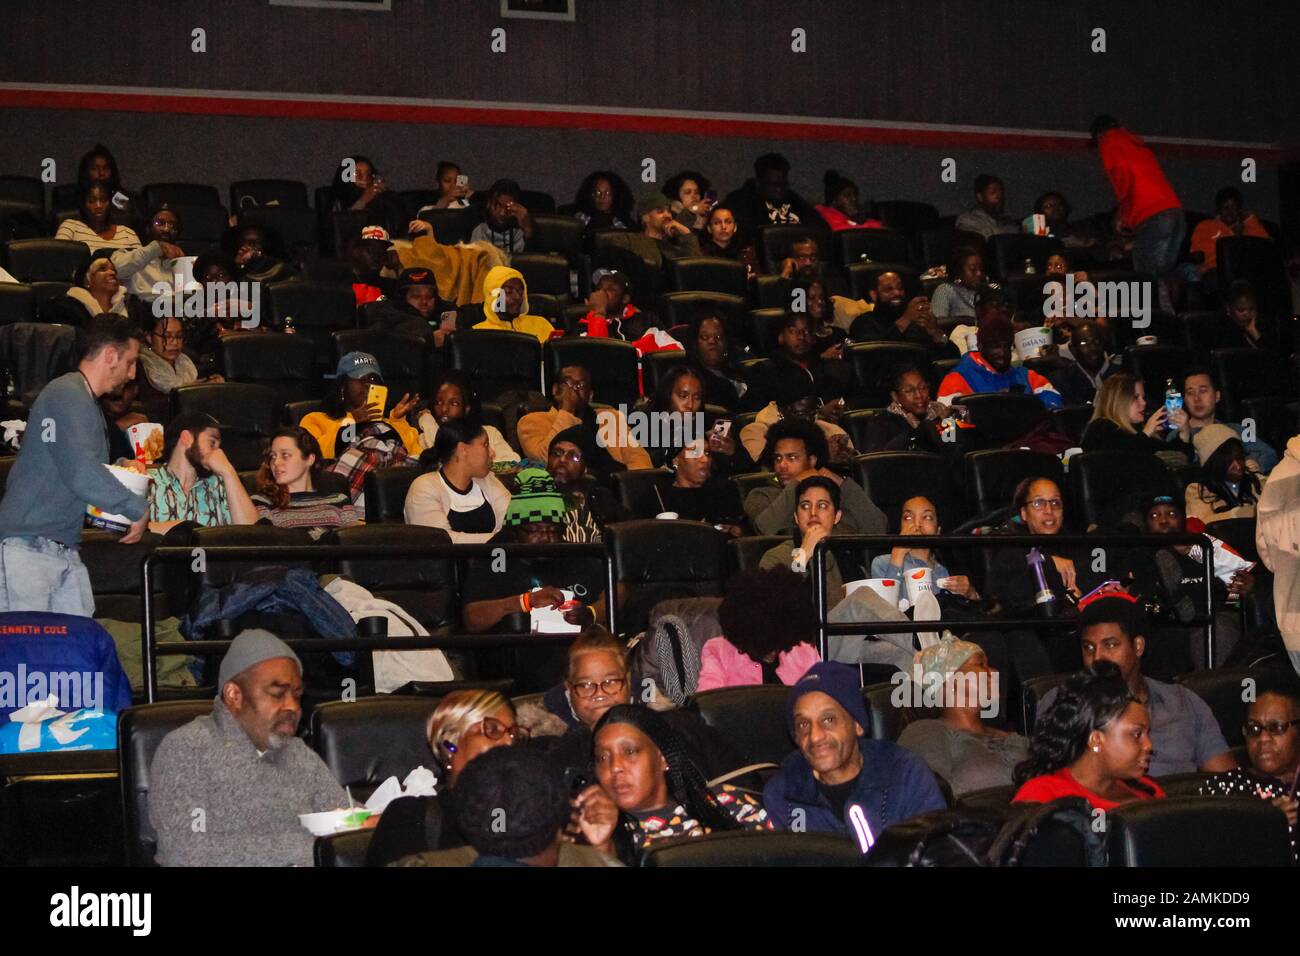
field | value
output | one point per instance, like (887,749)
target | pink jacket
(722,664)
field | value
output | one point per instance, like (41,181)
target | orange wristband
(526,601)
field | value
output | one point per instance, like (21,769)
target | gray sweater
(250,804)
(53,480)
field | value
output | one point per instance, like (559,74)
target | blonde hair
(1114,398)
(96,266)
(459,711)
(597,639)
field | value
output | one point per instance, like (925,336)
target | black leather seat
(1199,832)
(277,193)
(139,732)
(764,327)
(220,573)
(937,244)
(871,245)
(558,234)
(283,363)
(637,490)
(887,721)
(297,228)
(1223,689)
(655,365)
(891,477)
(749,481)
(385,490)
(451,226)
(1032,692)
(990,798)
(23,189)
(682,308)
(40,260)
(202,225)
(248,415)
(992,475)
(116,577)
(774,242)
(367,740)
(318,310)
(180,194)
(406,359)
(751,719)
(424,587)
(1001,417)
(36,353)
(1095,475)
(1276,417)
(746,848)
(708,274)
(1010,251)
(1071,420)
(17,303)
(347,849)
(612,364)
(1155,365)
(911,218)
(1258,261)
(499,361)
(746,552)
(295,412)
(874,364)
(866,429)
(658,559)
(1244,373)
(544,272)
(863,277)
(772,292)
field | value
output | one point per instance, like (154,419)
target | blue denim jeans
(1156,242)
(39,574)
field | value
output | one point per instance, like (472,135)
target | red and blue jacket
(974,376)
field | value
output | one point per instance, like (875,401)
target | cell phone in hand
(462,180)
(448,323)
(378,395)
(711,195)
(722,427)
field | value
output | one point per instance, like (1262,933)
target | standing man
(60,470)
(1147,203)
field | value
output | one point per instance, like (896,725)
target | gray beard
(277,741)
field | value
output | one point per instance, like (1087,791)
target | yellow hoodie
(533,325)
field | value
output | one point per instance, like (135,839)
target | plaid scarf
(377,446)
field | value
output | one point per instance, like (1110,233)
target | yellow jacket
(325,430)
(534,325)
(538,428)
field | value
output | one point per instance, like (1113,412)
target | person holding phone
(453,188)
(354,402)
(416,310)
(691,197)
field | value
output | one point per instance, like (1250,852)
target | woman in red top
(1093,743)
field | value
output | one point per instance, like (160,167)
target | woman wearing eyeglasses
(143,268)
(467,723)
(164,366)
(1272,732)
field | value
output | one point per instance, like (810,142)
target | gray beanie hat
(252,647)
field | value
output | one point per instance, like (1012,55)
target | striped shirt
(317,511)
(124,237)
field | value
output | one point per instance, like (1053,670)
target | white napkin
(550,620)
(420,782)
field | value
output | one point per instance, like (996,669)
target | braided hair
(1087,701)
(686,784)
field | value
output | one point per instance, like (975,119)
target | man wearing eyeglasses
(572,393)
(589,506)
(1186,735)
(166,366)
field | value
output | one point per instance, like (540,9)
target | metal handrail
(171,554)
(825,628)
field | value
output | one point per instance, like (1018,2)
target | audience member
(989,368)
(986,217)
(349,415)
(707,349)
(452,192)
(454,398)
(1200,400)
(99,166)
(696,493)
(523,787)
(1094,743)
(722,239)
(645,770)
(589,506)
(462,497)
(604,201)
(1229,219)
(1056,209)
(506,224)
(661,236)
(505,305)
(840,780)
(1089,365)
(958,745)
(1277,537)
(955,299)
(119,415)
(767,199)
(243,768)
(1147,203)
(165,365)
(52,482)
(95,291)
(895,316)
(794,370)
(152,265)
(572,394)
(750,650)
(1245,329)
(1226,486)
(1119,412)
(912,422)
(195,481)
(920,517)
(610,312)
(1038,508)
(94,223)
(465,725)
(371,254)
(416,310)
(688,193)
(681,391)
(287,495)
(817,514)
(258,255)
(841,209)
(1113,629)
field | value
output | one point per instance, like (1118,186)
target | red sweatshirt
(1133,171)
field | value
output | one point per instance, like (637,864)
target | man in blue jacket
(839,780)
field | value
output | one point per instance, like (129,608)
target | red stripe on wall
(544,118)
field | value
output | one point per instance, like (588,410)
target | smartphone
(462,180)
(448,323)
(576,779)
(722,427)
(711,195)
(378,395)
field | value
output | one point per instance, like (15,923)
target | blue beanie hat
(840,682)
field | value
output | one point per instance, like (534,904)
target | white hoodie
(1277,537)
(392,668)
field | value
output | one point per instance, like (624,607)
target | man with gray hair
(227,788)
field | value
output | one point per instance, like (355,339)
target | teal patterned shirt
(205,505)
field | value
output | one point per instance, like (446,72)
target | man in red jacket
(1147,203)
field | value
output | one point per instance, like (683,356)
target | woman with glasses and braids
(649,789)
(467,723)
(1093,742)
(1272,732)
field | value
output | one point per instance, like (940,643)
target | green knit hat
(535,499)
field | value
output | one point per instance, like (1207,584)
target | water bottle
(1029,267)
(1173,403)
(1043,597)
(288,325)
